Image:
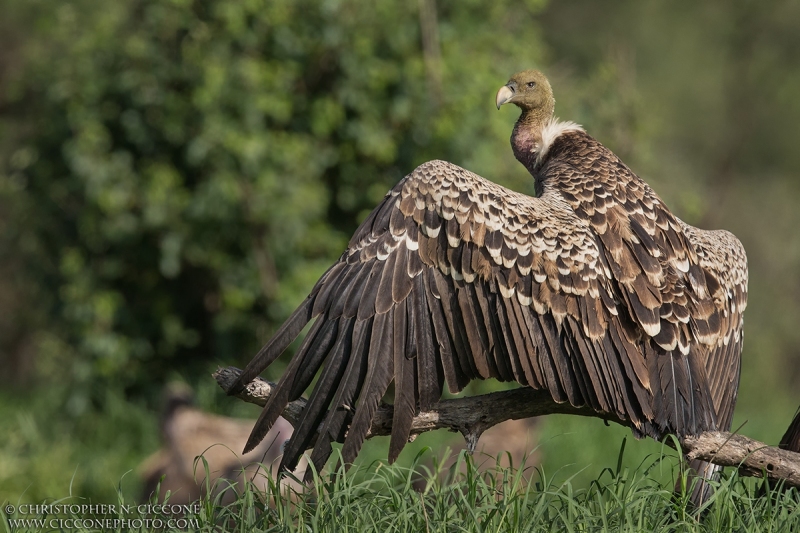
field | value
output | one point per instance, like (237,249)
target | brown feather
(320,399)
(518,347)
(532,346)
(585,367)
(545,355)
(508,330)
(405,386)
(348,282)
(380,368)
(498,357)
(326,287)
(383,299)
(360,283)
(321,344)
(341,405)
(366,306)
(430,358)
(401,281)
(453,374)
(452,312)
(475,333)
(280,397)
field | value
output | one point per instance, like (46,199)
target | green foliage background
(175,175)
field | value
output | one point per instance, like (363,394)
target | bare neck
(526,140)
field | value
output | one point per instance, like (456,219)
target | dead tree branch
(471,416)
(753,458)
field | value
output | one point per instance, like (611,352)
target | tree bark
(471,416)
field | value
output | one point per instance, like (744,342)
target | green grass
(47,453)
(462,498)
(590,478)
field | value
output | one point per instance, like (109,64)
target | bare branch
(471,416)
(753,458)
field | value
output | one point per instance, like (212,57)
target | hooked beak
(505,94)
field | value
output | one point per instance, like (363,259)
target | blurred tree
(178,174)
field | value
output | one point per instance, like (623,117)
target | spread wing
(453,278)
(686,288)
(722,258)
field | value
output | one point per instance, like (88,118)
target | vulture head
(530,91)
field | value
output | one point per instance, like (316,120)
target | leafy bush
(180,173)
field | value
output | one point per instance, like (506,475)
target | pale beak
(504,95)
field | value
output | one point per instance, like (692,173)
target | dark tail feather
(697,480)
(276,345)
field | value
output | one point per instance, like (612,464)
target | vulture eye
(531,84)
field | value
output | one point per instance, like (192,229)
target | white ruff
(550,133)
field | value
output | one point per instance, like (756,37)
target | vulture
(791,439)
(592,290)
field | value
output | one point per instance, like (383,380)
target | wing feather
(546,346)
(405,387)
(352,300)
(341,405)
(452,311)
(384,300)
(585,368)
(277,344)
(455,376)
(380,370)
(280,397)
(401,281)
(666,275)
(510,356)
(472,301)
(592,291)
(366,305)
(430,375)
(320,399)
(319,349)
(499,355)
(519,348)
(326,286)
